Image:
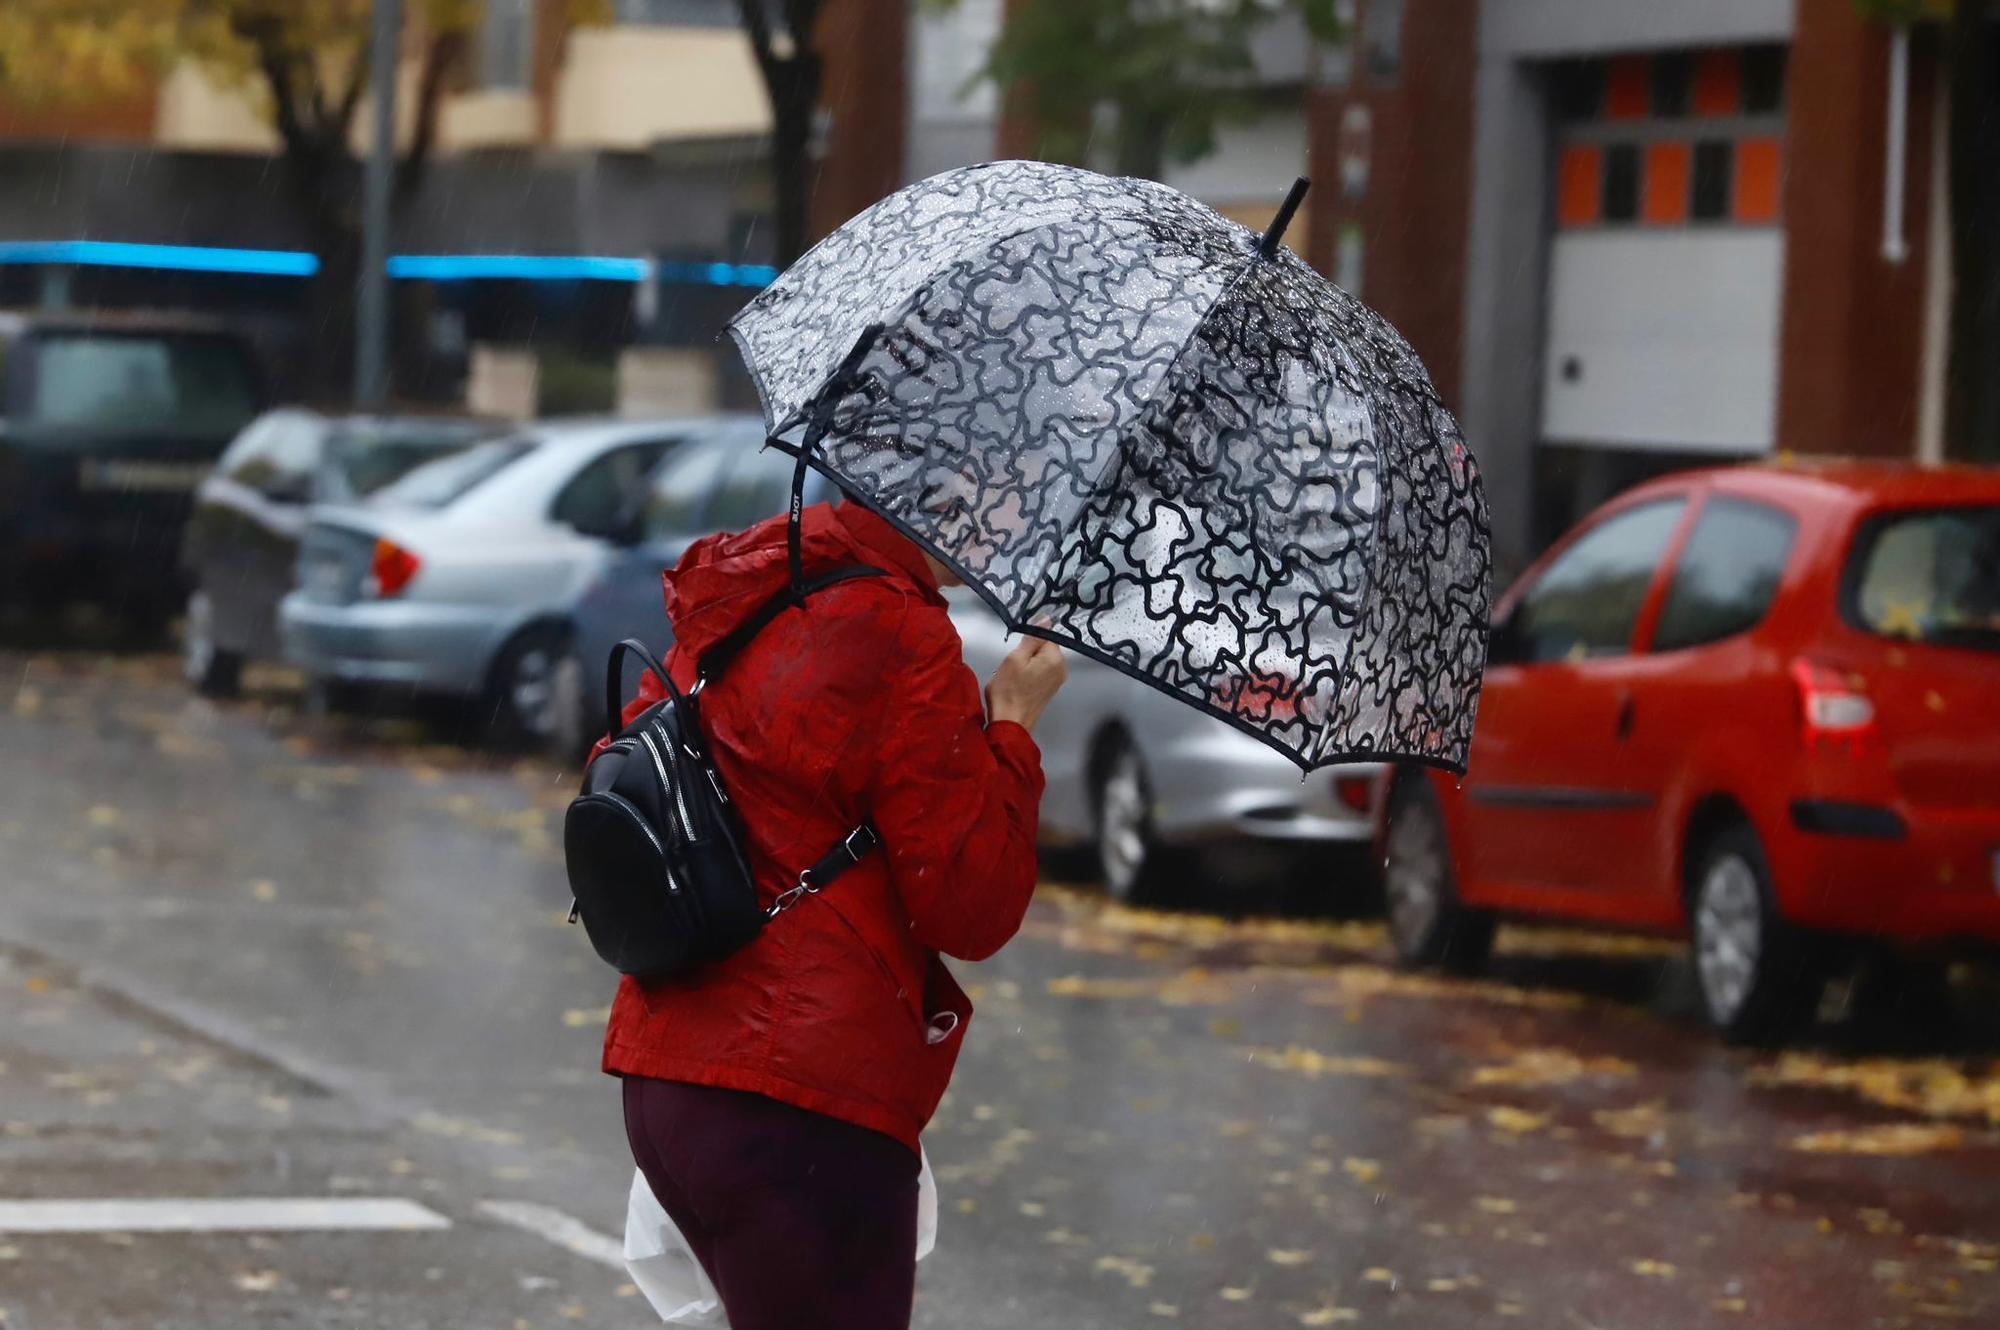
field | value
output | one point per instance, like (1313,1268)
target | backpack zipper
(680,798)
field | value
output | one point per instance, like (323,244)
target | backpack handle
(614,682)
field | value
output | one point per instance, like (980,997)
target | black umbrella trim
(1131,435)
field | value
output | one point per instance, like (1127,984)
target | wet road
(244,955)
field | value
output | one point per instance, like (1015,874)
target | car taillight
(392,568)
(1832,706)
(1357,792)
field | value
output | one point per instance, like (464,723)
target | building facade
(1630,237)
(592,187)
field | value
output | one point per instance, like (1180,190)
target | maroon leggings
(801,1220)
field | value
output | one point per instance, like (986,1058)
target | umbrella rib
(1096,487)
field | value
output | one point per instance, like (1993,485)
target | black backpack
(654,845)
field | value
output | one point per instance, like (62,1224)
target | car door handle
(1628,716)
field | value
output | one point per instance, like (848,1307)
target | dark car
(107,423)
(242,546)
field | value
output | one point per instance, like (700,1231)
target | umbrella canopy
(1138,430)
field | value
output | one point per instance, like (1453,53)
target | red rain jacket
(859,707)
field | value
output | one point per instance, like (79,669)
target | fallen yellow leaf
(1516,1120)
(1896,1138)
(1136,1273)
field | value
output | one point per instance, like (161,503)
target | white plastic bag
(673,1280)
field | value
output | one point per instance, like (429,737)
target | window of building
(507,46)
(1334,61)
(1382,38)
(1587,602)
(1672,84)
(1763,80)
(1669,138)
(1621,183)
(1714,160)
(1728,574)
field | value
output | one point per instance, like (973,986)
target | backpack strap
(719,656)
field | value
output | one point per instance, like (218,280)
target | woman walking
(773,1099)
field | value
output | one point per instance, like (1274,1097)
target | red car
(1758,706)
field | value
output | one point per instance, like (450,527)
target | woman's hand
(1025,681)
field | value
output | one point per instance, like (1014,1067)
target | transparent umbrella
(1142,431)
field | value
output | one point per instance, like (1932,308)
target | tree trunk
(325,184)
(793,84)
(333,314)
(1972,398)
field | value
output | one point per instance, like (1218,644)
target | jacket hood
(724,579)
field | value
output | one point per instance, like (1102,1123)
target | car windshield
(445,480)
(364,458)
(153,383)
(1930,576)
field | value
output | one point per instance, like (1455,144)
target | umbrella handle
(821,420)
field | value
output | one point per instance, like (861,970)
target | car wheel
(571,719)
(1758,977)
(1128,855)
(1428,924)
(524,704)
(212,671)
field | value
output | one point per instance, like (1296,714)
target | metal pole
(1895,245)
(371,334)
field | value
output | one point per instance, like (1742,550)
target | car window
(682,490)
(758,485)
(1727,575)
(1929,576)
(363,458)
(449,479)
(1587,602)
(158,383)
(599,498)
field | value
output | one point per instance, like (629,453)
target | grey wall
(1541,29)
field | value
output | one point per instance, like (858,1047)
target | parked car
(107,423)
(1131,771)
(241,551)
(457,578)
(1758,706)
(721,479)
(1148,784)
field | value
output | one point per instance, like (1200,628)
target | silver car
(457,578)
(1141,780)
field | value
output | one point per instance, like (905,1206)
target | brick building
(1630,236)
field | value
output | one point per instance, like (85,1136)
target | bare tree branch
(758,24)
(357,82)
(440,59)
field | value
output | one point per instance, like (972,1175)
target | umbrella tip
(1268,246)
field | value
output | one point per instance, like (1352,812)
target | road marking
(260,1215)
(565,1231)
